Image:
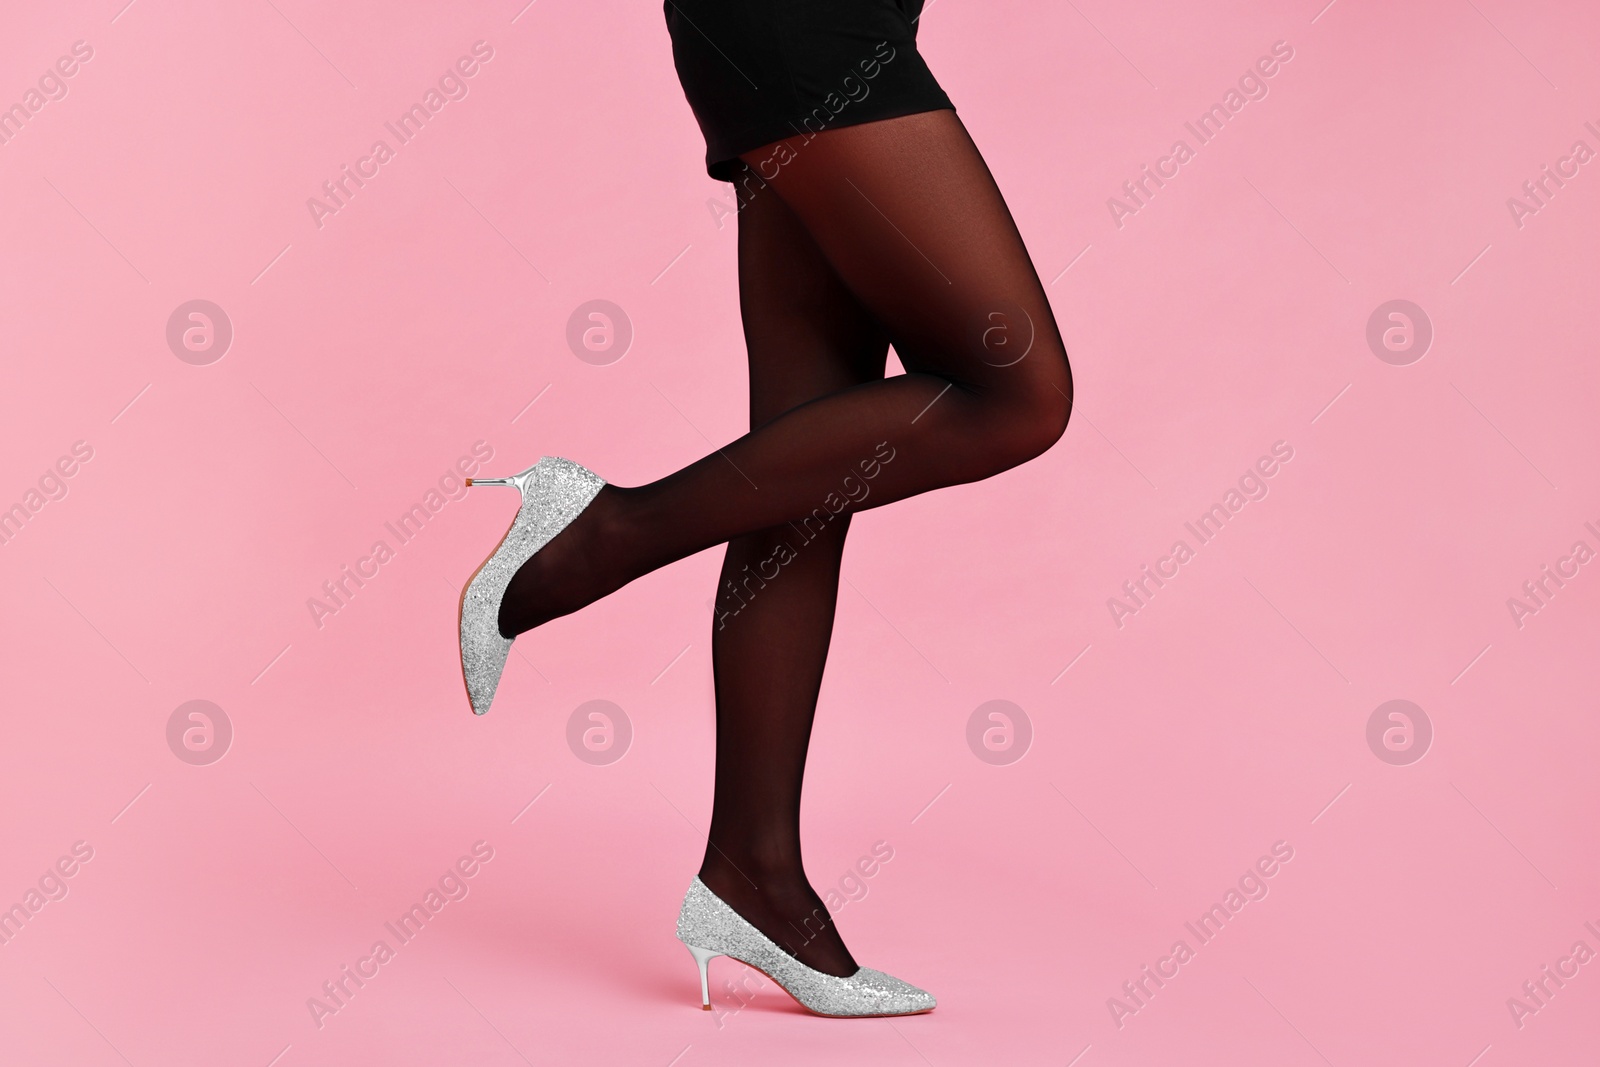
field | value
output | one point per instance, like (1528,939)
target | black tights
(886,232)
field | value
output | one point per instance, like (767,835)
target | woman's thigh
(807,335)
(908,216)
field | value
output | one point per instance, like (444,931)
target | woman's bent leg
(907,214)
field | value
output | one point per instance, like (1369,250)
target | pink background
(1228,714)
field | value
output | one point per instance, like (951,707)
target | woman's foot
(578,566)
(788,911)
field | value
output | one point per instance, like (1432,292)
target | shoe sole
(823,1014)
(461,611)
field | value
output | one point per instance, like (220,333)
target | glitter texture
(554,492)
(707,922)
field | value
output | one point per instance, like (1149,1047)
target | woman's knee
(1036,411)
(1042,426)
(1017,430)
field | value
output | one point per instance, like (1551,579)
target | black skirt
(758,71)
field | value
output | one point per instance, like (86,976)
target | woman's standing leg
(807,337)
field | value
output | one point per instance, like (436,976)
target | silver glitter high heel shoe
(554,492)
(709,927)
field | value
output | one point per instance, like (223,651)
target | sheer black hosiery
(852,239)
(807,337)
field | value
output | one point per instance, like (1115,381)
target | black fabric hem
(722,162)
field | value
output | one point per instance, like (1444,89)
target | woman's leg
(807,337)
(907,214)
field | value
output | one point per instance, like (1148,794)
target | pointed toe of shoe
(878,993)
(483,650)
(482,668)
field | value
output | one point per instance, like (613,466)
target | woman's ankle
(586,561)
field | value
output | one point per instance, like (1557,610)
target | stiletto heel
(554,492)
(707,920)
(703,956)
(518,480)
